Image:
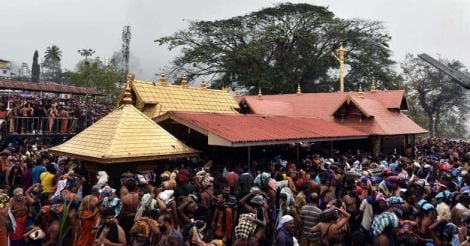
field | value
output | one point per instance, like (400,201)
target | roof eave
(125,159)
(290,141)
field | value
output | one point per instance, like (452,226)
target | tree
(35,70)
(435,101)
(51,65)
(275,48)
(104,77)
(53,53)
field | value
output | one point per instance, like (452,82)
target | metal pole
(297,160)
(331,148)
(249,158)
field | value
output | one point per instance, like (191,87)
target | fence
(42,125)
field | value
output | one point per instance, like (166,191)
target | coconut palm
(53,53)
(52,58)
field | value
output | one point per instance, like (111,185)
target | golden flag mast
(340,54)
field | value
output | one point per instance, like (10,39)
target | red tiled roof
(377,105)
(243,130)
(46,87)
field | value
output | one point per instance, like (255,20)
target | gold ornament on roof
(130,77)
(361,93)
(203,84)
(237,92)
(299,90)
(127,97)
(373,88)
(184,81)
(228,89)
(260,95)
(340,56)
(162,79)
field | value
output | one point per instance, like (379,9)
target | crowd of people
(50,115)
(419,198)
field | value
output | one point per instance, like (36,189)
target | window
(4,71)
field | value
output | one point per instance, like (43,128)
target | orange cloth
(222,230)
(64,125)
(86,236)
(231,178)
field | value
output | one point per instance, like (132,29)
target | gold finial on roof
(361,93)
(237,92)
(127,97)
(228,89)
(162,79)
(184,81)
(260,95)
(373,88)
(340,54)
(203,84)
(299,90)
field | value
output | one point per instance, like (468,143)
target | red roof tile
(46,87)
(382,106)
(240,130)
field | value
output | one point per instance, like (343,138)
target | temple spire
(127,97)
(373,88)
(299,90)
(184,81)
(260,95)
(360,93)
(203,84)
(162,78)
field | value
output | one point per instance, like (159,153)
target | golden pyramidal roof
(124,135)
(154,99)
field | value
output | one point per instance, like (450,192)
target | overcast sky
(437,27)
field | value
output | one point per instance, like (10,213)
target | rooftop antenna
(126,39)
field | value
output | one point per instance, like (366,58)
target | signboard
(4,64)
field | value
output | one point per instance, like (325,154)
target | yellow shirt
(46,181)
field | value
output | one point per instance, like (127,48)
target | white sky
(437,27)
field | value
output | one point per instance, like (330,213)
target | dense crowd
(51,115)
(418,198)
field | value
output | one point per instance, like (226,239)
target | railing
(42,125)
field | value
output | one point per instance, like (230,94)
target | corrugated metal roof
(382,106)
(46,87)
(124,135)
(240,130)
(159,99)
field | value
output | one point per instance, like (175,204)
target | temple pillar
(376,144)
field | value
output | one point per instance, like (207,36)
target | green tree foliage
(52,70)
(435,101)
(35,70)
(94,73)
(275,48)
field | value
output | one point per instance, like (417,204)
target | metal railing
(42,125)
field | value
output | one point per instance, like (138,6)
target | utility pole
(126,39)
(86,53)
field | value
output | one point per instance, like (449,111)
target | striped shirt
(309,215)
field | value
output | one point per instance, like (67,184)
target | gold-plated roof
(159,99)
(124,135)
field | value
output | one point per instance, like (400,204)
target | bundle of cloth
(204,179)
(168,180)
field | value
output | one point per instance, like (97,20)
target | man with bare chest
(88,217)
(4,206)
(130,202)
(19,207)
